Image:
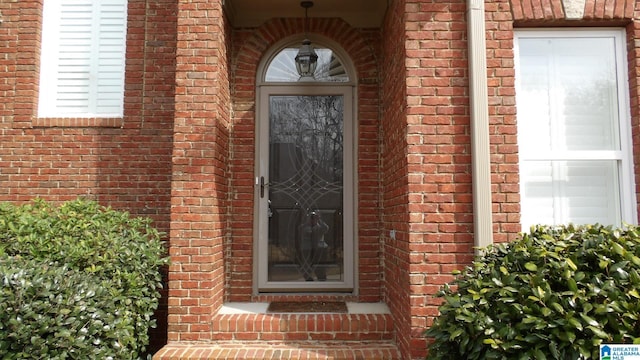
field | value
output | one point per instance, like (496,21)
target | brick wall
(505,185)
(395,169)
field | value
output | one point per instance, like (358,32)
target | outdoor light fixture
(307,59)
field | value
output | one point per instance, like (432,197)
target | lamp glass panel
(329,67)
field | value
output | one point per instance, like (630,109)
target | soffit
(358,13)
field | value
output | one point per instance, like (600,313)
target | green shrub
(106,253)
(51,312)
(556,293)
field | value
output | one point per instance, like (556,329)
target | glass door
(304,188)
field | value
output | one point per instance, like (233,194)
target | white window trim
(624,156)
(49,64)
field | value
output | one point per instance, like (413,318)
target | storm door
(304,184)
(304,187)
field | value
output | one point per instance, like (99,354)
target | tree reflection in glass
(306,188)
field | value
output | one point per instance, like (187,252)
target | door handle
(262,185)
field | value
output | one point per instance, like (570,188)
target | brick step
(361,326)
(311,350)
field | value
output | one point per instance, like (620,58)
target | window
(83,58)
(574,128)
(283,69)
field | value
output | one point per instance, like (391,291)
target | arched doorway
(305,179)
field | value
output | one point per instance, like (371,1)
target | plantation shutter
(83,58)
(573,165)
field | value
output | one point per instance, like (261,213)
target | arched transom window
(283,67)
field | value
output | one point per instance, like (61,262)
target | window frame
(624,155)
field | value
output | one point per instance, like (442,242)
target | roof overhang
(358,13)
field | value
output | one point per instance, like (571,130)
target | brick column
(199,184)
(439,151)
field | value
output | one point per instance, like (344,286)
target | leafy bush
(75,268)
(49,311)
(557,293)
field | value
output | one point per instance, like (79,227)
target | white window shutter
(74,73)
(84,41)
(111,56)
(561,192)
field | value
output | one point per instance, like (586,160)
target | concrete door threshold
(261,308)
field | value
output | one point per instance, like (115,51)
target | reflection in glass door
(303,196)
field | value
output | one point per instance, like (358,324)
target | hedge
(555,293)
(78,281)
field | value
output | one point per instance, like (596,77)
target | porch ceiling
(358,13)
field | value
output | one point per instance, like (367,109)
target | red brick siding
(239,263)
(200,170)
(505,178)
(365,52)
(609,9)
(545,12)
(250,46)
(395,178)
(22,21)
(9,38)
(537,9)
